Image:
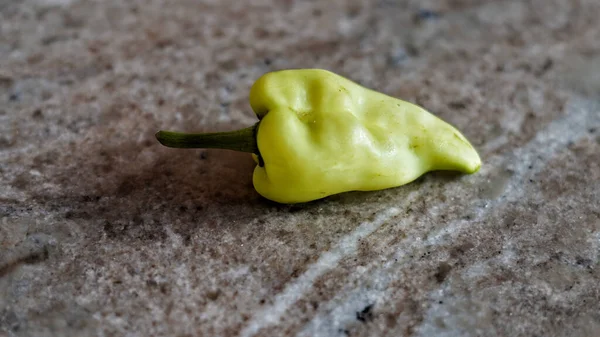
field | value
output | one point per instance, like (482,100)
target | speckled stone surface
(105,233)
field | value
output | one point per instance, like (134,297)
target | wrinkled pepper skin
(321,134)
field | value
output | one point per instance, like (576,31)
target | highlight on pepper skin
(321,134)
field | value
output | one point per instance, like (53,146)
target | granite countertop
(104,232)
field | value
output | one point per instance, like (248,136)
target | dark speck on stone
(13,97)
(442,272)
(545,67)
(37,114)
(457,105)
(582,261)
(426,14)
(366,314)
(213,295)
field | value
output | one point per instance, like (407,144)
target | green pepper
(320,134)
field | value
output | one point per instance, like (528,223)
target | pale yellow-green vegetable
(321,134)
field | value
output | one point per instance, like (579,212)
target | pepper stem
(243,140)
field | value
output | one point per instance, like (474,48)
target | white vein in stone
(328,260)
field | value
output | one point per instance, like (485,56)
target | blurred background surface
(106,233)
